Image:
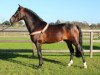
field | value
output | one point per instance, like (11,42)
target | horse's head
(19,15)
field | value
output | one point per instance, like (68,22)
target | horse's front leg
(38,46)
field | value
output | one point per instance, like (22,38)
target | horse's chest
(38,38)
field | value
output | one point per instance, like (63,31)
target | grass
(15,46)
(54,64)
(53,46)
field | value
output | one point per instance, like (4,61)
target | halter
(41,31)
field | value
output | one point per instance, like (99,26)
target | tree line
(83,25)
(7,23)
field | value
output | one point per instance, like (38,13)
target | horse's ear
(20,6)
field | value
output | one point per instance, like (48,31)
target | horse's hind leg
(71,52)
(79,53)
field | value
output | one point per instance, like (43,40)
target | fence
(91,40)
(25,34)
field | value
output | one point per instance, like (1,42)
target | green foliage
(6,23)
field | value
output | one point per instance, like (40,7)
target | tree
(6,23)
(57,22)
(98,25)
(92,26)
(19,24)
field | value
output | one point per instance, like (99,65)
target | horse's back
(59,32)
(56,33)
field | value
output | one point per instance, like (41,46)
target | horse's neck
(31,23)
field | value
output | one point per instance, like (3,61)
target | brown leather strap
(41,31)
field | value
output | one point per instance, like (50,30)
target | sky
(52,10)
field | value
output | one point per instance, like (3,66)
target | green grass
(54,64)
(53,46)
(15,46)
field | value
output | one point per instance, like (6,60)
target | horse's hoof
(85,66)
(39,66)
(68,65)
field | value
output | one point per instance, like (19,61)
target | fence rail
(25,33)
(91,40)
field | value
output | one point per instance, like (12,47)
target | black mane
(33,14)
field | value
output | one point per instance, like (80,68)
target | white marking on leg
(85,66)
(70,63)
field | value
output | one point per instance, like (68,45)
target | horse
(43,33)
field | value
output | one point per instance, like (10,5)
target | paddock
(19,61)
(89,36)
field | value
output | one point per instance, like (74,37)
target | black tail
(78,53)
(80,34)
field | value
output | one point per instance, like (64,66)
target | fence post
(91,44)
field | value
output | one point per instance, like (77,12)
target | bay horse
(43,33)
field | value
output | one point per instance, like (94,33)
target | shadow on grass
(8,55)
(94,47)
(86,47)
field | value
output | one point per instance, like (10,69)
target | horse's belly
(53,38)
